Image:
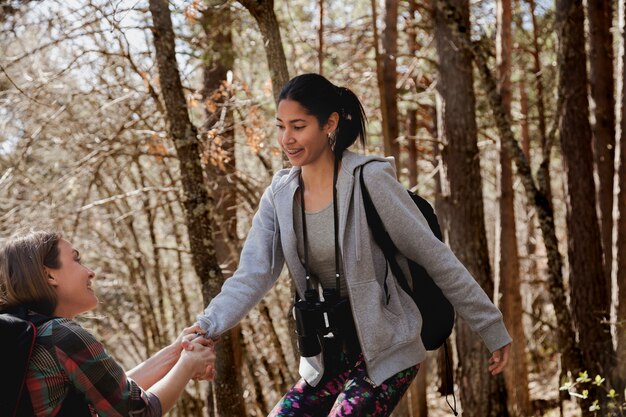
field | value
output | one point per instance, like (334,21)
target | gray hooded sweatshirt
(389,333)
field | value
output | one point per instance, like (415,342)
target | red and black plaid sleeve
(82,361)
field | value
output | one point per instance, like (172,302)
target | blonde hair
(23,279)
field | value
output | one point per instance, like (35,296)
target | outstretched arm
(169,388)
(147,373)
(260,264)
(93,372)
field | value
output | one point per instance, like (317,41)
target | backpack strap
(382,239)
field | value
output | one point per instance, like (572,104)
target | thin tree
(481,394)
(536,192)
(198,204)
(219,137)
(600,16)
(546,143)
(411,129)
(263,13)
(506,253)
(589,292)
(620,226)
(387,75)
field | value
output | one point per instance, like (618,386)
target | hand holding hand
(499,359)
(200,356)
(191,334)
(187,335)
(209,373)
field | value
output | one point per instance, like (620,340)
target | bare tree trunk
(541,112)
(600,18)
(481,394)
(199,206)
(545,141)
(219,137)
(263,13)
(620,227)
(587,281)
(412,112)
(524,127)
(413,155)
(506,253)
(386,75)
(390,92)
(572,356)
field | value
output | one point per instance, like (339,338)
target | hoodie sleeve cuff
(495,336)
(204,323)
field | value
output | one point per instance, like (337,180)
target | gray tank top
(321,234)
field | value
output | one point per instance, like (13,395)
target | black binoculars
(316,319)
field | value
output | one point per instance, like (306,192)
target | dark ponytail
(321,98)
(352,121)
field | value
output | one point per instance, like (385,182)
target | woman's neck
(319,175)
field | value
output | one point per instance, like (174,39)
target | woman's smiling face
(300,135)
(72,282)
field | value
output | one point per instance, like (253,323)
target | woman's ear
(51,279)
(332,123)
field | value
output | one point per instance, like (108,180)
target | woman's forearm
(147,373)
(171,386)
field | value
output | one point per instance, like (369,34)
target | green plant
(606,402)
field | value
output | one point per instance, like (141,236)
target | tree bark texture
(413,155)
(589,292)
(219,135)
(506,252)
(600,17)
(530,267)
(389,92)
(263,13)
(378,58)
(565,331)
(481,394)
(620,230)
(546,145)
(412,112)
(199,206)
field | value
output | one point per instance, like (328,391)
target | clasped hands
(192,340)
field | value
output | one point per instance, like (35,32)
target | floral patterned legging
(350,393)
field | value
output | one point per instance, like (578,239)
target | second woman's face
(300,136)
(72,282)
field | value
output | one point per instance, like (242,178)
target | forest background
(144,131)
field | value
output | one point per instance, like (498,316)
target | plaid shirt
(67,355)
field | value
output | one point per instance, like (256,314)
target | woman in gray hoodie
(358,331)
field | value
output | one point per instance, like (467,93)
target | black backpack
(437,312)
(18,331)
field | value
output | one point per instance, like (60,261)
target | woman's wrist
(174,348)
(186,366)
